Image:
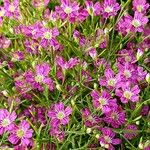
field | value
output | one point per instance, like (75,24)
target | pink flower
(57,133)
(12,9)
(17,56)
(103,101)
(40,77)
(124,25)
(59,115)
(127,72)
(66,65)
(67,10)
(115,117)
(138,22)
(89,119)
(93,9)
(32,46)
(109,8)
(145,110)
(21,134)
(4,42)
(126,56)
(129,24)
(130,131)
(128,93)
(93,53)
(140,6)
(40,3)
(6,120)
(107,139)
(48,37)
(109,80)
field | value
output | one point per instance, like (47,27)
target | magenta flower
(59,115)
(127,72)
(57,133)
(109,8)
(6,120)
(12,9)
(145,110)
(130,131)
(4,42)
(103,101)
(93,9)
(124,25)
(17,56)
(48,37)
(109,80)
(138,22)
(21,134)
(89,119)
(82,15)
(128,93)
(67,10)
(141,73)
(93,53)
(40,77)
(31,30)
(107,139)
(140,6)
(40,3)
(126,56)
(32,46)
(66,65)
(115,117)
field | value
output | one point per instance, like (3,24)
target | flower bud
(88,130)
(139,54)
(97,136)
(5,93)
(148,77)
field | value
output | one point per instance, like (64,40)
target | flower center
(2,12)
(47,35)
(127,94)
(127,73)
(136,23)
(60,115)
(90,118)
(114,116)
(111,82)
(102,101)
(139,8)
(5,122)
(107,139)
(39,78)
(108,9)
(20,133)
(68,10)
(127,58)
(11,8)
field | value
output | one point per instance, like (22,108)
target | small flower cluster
(74,74)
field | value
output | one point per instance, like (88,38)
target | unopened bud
(139,54)
(148,77)
(97,136)
(88,130)
(5,93)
